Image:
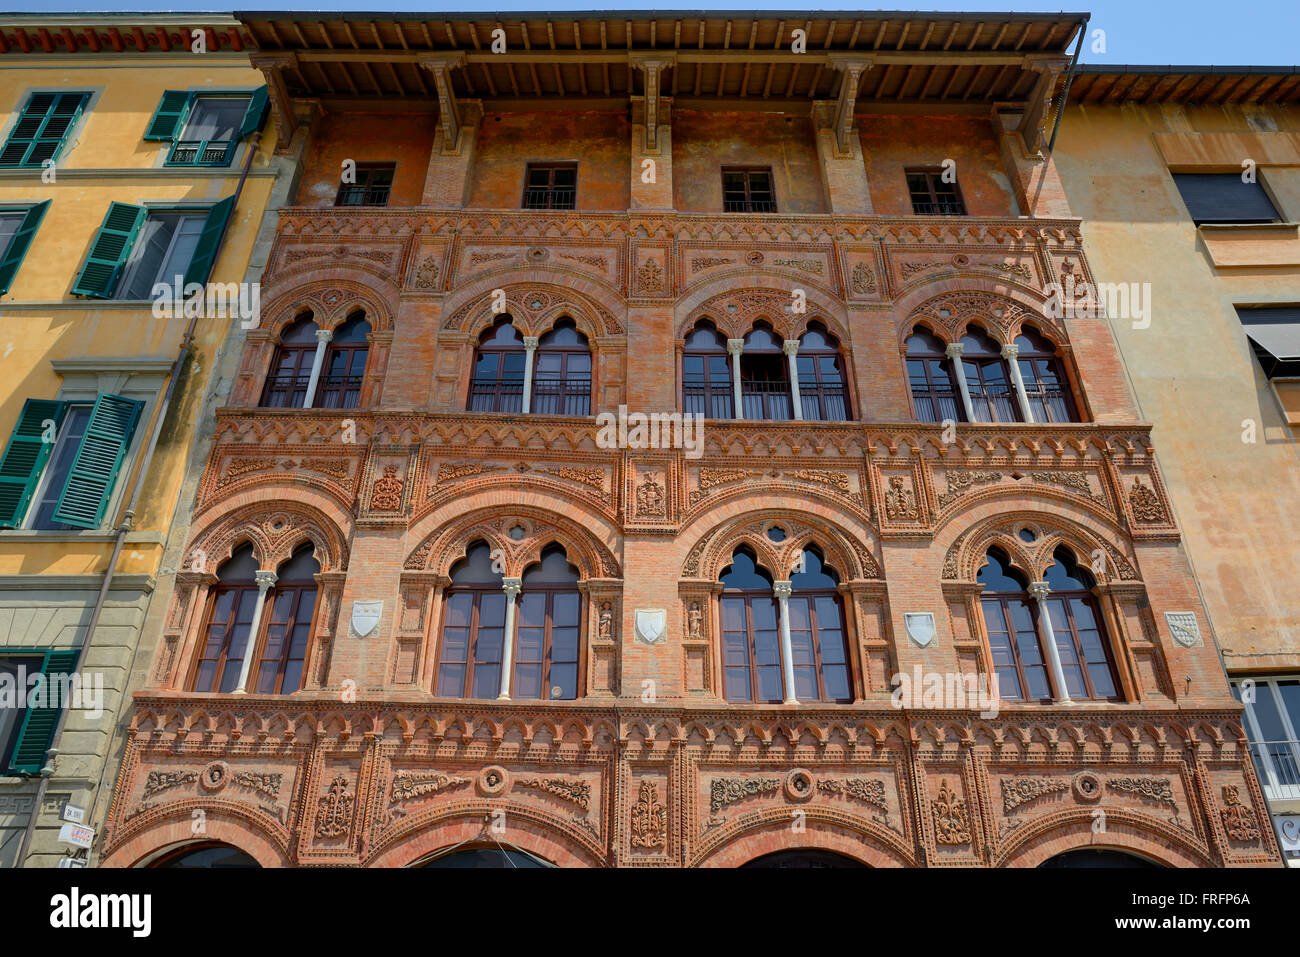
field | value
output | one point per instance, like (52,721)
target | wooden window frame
(811,595)
(550,591)
(222,658)
(298,588)
(499,383)
(303,352)
(710,391)
(550,189)
(369,192)
(569,389)
(748,597)
(747,172)
(819,388)
(932,174)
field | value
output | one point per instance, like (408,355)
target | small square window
(372,188)
(551,186)
(931,196)
(747,190)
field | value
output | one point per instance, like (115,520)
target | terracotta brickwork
(651,766)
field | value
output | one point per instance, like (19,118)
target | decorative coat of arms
(650,623)
(365,616)
(920,627)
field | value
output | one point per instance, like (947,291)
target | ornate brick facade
(651,765)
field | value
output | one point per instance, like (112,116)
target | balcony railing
(1280,773)
(766,399)
(570,396)
(338,392)
(363,196)
(494,396)
(285,391)
(708,402)
(939,209)
(201,153)
(936,406)
(557,197)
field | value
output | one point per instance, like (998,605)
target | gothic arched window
(1044,377)
(473,628)
(286,384)
(823,395)
(290,608)
(935,397)
(988,379)
(1081,639)
(225,638)
(344,366)
(706,375)
(821,654)
(549,638)
(751,639)
(765,376)
(497,383)
(562,376)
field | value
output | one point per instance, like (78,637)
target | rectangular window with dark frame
(551,186)
(1225,199)
(373,184)
(747,190)
(931,196)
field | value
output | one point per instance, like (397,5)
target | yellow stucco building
(1188,182)
(134,149)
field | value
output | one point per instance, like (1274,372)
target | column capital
(790,346)
(735,346)
(530,342)
(441,65)
(782,590)
(954,350)
(853,67)
(264,580)
(1010,351)
(324,335)
(511,586)
(1039,590)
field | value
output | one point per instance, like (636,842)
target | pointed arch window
(764,376)
(483,630)
(823,395)
(344,366)
(1018,634)
(1046,389)
(286,385)
(258,617)
(561,381)
(497,383)
(706,377)
(759,664)
(935,396)
(988,378)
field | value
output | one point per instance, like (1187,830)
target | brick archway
(463,826)
(174,828)
(1074,829)
(774,835)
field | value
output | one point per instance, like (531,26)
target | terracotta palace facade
(425,605)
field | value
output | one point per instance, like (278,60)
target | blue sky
(1201,32)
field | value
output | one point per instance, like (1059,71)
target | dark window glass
(988,379)
(706,374)
(225,637)
(765,377)
(344,366)
(14,669)
(551,186)
(823,395)
(497,382)
(68,441)
(1274,334)
(373,185)
(289,607)
(1044,377)
(931,196)
(935,397)
(562,372)
(817,640)
(747,191)
(290,374)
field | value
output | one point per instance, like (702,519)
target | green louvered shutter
(205,253)
(42,128)
(255,115)
(85,495)
(109,251)
(167,117)
(12,257)
(25,457)
(37,733)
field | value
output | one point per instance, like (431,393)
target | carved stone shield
(650,624)
(920,627)
(365,616)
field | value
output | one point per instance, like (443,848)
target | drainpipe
(127,520)
(1069,79)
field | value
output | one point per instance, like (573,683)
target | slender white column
(1011,353)
(530,349)
(264,582)
(734,348)
(791,347)
(511,587)
(1040,590)
(323,337)
(782,592)
(954,353)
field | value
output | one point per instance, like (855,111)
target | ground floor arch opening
(803,858)
(204,855)
(1098,857)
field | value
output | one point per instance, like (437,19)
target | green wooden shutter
(205,253)
(255,115)
(84,497)
(37,733)
(42,128)
(109,251)
(25,457)
(12,257)
(167,118)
